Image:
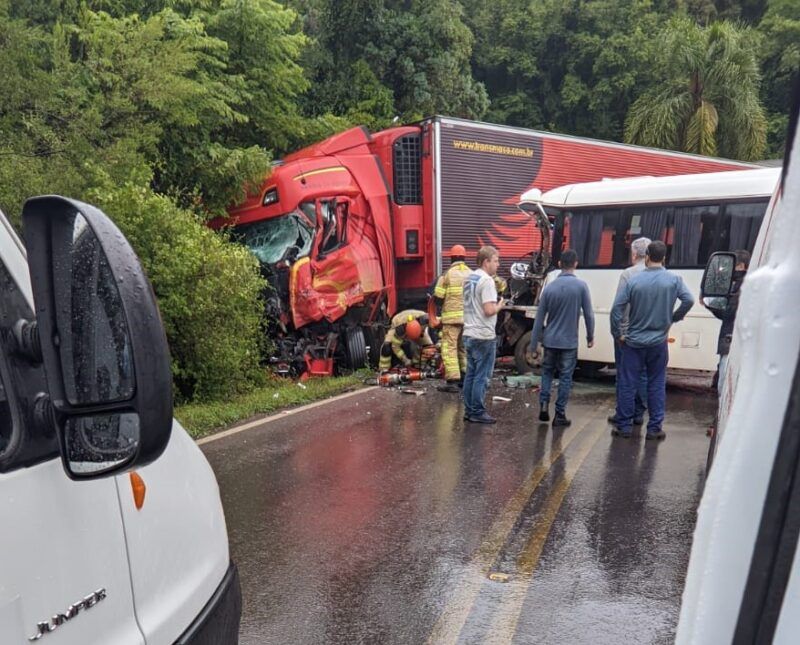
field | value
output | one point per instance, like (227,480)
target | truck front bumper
(218,622)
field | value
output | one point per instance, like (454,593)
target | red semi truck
(354,227)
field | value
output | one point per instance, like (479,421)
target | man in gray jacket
(638,258)
(651,296)
(556,327)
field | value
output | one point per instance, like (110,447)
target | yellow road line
(452,619)
(504,624)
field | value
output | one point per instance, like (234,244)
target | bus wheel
(521,355)
(355,348)
(590,369)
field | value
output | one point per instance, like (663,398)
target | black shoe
(561,421)
(616,432)
(638,421)
(450,386)
(544,414)
(484,418)
(658,435)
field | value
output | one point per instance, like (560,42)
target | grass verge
(201,419)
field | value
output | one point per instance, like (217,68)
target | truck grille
(407,170)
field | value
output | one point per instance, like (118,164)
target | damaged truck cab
(321,230)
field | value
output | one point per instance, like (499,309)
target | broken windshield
(270,239)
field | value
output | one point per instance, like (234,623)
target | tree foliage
(707,97)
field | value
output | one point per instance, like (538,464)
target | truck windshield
(270,239)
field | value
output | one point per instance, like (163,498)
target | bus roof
(734,184)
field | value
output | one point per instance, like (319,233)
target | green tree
(390,57)
(566,66)
(706,100)
(780,62)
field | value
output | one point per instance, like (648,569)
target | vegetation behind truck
(356,226)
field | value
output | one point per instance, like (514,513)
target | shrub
(208,291)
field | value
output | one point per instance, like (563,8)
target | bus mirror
(103,344)
(718,276)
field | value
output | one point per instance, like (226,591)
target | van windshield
(270,239)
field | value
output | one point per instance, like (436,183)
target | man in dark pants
(651,296)
(556,327)
(638,260)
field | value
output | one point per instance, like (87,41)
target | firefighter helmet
(413,330)
(458,251)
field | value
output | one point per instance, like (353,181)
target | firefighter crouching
(405,339)
(449,292)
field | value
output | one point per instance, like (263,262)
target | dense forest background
(162,112)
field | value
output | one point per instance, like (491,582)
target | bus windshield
(270,239)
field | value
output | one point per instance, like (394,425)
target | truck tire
(520,352)
(355,348)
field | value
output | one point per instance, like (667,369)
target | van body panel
(182,507)
(756,392)
(61,540)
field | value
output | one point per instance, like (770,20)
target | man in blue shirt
(556,327)
(651,296)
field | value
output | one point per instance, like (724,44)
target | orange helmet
(413,330)
(458,251)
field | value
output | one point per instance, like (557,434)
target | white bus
(695,215)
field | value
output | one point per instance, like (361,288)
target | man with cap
(449,293)
(404,340)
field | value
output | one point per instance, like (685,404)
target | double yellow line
(457,611)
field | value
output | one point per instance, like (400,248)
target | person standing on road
(481,305)
(651,296)
(449,292)
(638,259)
(556,327)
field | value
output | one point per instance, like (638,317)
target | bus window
(592,234)
(741,224)
(688,231)
(691,225)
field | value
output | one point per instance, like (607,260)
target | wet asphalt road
(384,518)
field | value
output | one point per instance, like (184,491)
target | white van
(743,582)
(122,539)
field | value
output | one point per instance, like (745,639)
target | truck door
(64,573)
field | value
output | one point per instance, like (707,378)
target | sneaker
(657,435)
(484,418)
(561,421)
(616,432)
(450,386)
(544,414)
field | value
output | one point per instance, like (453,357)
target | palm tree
(707,99)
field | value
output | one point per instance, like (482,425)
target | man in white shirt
(481,305)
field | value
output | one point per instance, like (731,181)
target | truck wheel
(355,348)
(520,354)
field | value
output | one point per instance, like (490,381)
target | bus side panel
(692,342)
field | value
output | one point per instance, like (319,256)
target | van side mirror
(103,344)
(717,281)
(718,276)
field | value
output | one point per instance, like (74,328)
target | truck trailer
(353,228)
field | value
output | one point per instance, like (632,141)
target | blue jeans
(640,401)
(564,360)
(480,365)
(654,361)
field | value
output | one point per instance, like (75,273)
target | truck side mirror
(717,281)
(103,343)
